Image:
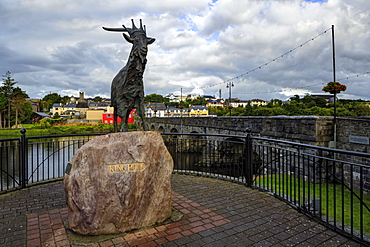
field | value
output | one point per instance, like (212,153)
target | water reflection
(9,163)
(46,159)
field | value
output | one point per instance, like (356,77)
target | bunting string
(267,63)
(309,86)
(349,77)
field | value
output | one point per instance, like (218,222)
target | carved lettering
(132,167)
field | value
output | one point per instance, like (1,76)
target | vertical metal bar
(59,157)
(313,182)
(38,160)
(7,166)
(335,193)
(294,188)
(320,188)
(1,166)
(212,160)
(327,189)
(281,174)
(342,191)
(23,161)
(361,203)
(307,182)
(13,172)
(351,206)
(289,175)
(299,177)
(304,179)
(276,174)
(248,167)
(30,179)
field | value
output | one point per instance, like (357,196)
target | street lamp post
(335,92)
(229,86)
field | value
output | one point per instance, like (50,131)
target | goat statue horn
(118,29)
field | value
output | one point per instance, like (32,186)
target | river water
(46,159)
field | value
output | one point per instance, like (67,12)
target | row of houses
(87,109)
(212,101)
(95,111)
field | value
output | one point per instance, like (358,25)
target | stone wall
(304,129)
(314,130)
(359,127)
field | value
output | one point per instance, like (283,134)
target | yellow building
(198,111)
(94,114)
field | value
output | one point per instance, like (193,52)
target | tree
(275,103)
(183,104)
(50,99)
(293,108)
(197,101)
(361,109)
(18,100)
(97,99)
(25,114)
(308,101)
(154,98)
(2,108)
(18,97)
(320,102)
(295,98)
(56,115)
(7,89)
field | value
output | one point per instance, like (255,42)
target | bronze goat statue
(127,90)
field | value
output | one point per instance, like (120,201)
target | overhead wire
(313,85)
(266,63)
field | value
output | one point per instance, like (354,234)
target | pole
(181,112)
(229,85)
(335,93)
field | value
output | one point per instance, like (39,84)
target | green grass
(59,129)
(336,200)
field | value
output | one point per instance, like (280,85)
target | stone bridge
(352,133)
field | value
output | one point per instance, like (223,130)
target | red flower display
(334,87)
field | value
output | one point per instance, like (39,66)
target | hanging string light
(305,87)
(267,63)
(348,77)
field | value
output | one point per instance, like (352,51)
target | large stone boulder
(119,182)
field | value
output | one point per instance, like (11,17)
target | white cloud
(59,46)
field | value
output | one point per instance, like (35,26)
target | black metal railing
(330,185)
(28,160)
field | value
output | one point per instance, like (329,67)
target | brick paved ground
(216,213)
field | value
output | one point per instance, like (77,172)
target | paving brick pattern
(47,228)
(216,213)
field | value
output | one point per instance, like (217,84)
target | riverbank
(58,129)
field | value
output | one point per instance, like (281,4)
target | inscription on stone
(134,167)
(359,139)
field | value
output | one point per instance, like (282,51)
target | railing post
(23,159)
(248,167)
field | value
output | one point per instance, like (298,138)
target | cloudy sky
(201,46)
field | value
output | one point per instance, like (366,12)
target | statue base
(119,182)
